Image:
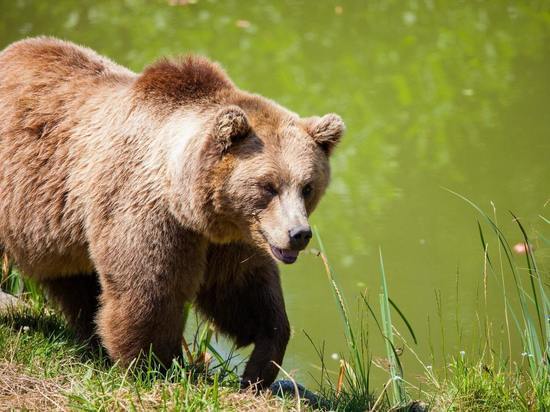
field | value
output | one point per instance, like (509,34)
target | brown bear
(126,195)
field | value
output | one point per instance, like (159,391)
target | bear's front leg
(270,334)
(147,274)
(133,322)
(243,297)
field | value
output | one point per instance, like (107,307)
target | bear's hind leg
(77,297)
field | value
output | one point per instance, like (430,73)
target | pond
(435,95)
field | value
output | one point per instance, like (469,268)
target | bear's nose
(299,236)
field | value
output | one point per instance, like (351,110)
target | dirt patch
(246,402)
(19,391)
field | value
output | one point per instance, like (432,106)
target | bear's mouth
(287,256)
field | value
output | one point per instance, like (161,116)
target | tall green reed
(532,319)
(356,370)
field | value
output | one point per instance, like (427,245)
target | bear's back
(43,81)
(47,93)
(54,58)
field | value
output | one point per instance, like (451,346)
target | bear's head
(271,170)
(242,168)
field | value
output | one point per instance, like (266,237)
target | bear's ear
(326,131)
(230,126)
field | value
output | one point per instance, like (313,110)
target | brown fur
(175,82)
(127,195)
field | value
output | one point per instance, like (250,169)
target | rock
(286,388)
(8,301)
(417,406)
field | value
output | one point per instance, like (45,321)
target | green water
(435,94)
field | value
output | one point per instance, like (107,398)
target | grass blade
(396,371)
(404,319)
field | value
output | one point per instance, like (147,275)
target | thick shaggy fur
(126,195)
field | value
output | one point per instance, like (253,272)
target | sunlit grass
(352,390)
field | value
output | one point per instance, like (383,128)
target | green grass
(42,364)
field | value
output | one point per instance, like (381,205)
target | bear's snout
(299,237)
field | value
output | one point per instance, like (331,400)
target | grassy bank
(43,367)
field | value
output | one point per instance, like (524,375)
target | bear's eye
(306,190)
(269,188)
